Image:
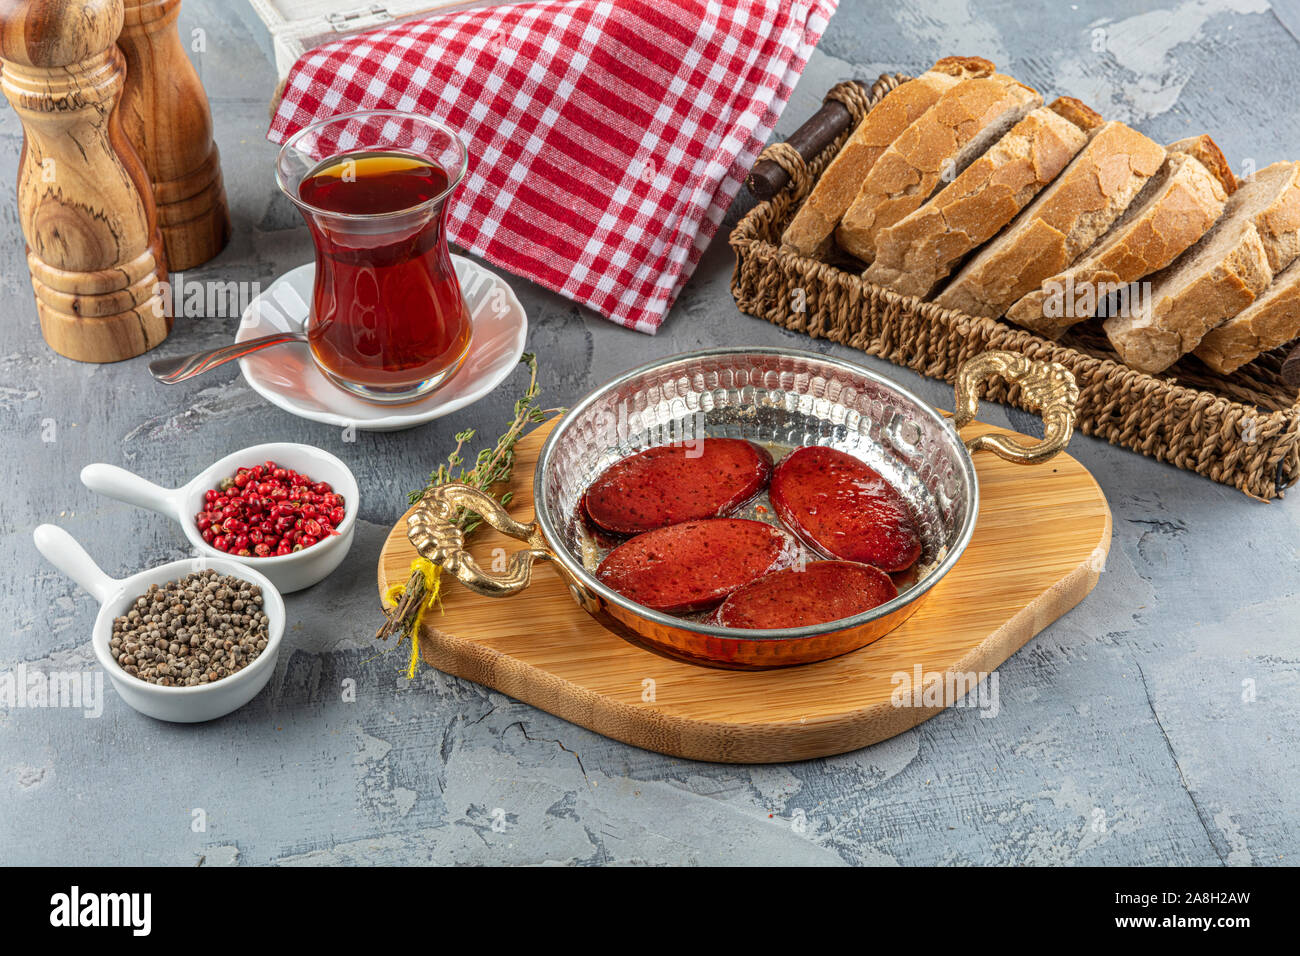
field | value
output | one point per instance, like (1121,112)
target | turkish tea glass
(388,322)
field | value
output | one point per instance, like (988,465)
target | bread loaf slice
(1210,156)
(1077,112)
(809,232)
(952,133)
(1257,236)
(916,253)
(1058,226)
(1175,208)
(1271,320)
(1215,279)
(1273,194)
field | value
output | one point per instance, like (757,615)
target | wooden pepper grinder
(165,114)
(93,246)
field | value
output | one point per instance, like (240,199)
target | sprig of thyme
(492,467)
(495,465)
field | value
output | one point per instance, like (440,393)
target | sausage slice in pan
(669,484)
(820,592)
(694,565)
(844,509)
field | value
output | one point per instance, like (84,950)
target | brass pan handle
(433,530)
(1047,387)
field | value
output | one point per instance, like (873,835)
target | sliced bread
(1175,208)
(964,122)
(1274,195)
(1257,236)
(1215,279)
(1058,226)
(916,253)
(1271,320)
(809,232)
(1211,157)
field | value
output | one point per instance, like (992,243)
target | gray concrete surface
(1153,724)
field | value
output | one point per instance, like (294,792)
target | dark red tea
(387,311)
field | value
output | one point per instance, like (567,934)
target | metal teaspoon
(169,371)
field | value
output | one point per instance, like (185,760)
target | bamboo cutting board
(1038,548)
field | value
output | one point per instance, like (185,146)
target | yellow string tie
(433,588)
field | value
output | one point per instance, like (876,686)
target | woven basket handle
(1048,387)
(842,109)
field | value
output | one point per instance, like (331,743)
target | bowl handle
(435,531)
(64,552)
(1047,387)
(127,486)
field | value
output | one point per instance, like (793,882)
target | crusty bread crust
(963,122)
(915,254)
(1274,192)
(1271,320)
(1210,156)
(964,67)
(1059,225)
(1175,209)
(809,232)
(1225,272)
(1077,112)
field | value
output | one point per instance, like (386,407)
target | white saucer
(287,377)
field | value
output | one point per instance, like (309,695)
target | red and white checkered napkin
(606,137)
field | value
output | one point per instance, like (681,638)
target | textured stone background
(1129,711)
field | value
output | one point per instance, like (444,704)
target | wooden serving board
(1038,548)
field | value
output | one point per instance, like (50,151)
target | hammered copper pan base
(1038,549)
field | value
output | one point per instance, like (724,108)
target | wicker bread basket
(1241,430)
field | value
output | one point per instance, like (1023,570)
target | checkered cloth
(607,137)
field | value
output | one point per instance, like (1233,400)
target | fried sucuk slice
(684,481)
(844,509)
(817,593)
(603,539)
(694,565)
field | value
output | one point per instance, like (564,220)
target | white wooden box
(297,26)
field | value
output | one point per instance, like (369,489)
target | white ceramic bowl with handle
(289,572)
(116,595)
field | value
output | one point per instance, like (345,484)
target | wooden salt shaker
(165,114)
(93,245)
